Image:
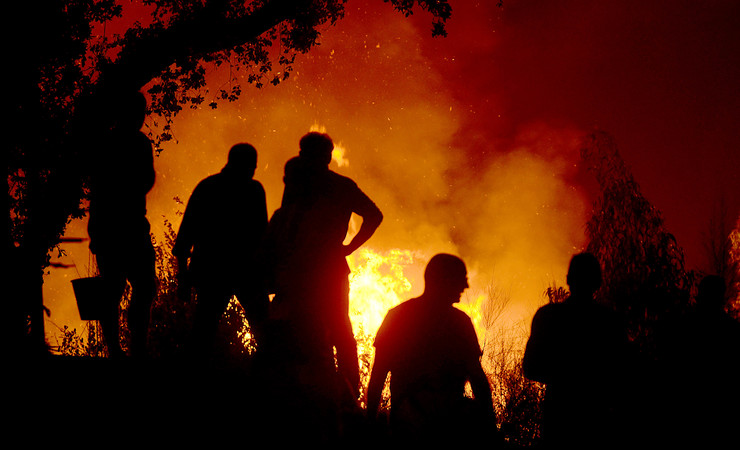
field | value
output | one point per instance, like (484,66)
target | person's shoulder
(141,140)
(396,320)
(405,308)
(549,310)
(256,185)
(461,319)
(210,185)
(210,180)
(341,180)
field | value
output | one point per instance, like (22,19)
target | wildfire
(377,283)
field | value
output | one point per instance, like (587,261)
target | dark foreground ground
(118,403)
(99,403)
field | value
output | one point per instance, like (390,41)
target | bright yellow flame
(337,155)
(474,310)
(377,283)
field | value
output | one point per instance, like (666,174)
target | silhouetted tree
(722,247)
(733,284)
(64,61)
(643,266)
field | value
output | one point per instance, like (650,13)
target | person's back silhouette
(577,349)
(431,350)
(218,242)
(118,228)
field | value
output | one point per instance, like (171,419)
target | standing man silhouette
(118,227)
(316,210)
(218,243)
(577,349)
(431,351)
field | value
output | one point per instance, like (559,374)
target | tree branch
(145,56)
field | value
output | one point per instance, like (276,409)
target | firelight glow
(469,144)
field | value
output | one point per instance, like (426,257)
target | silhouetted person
(217,246)
(431,351)
(577,348)
(312,223)
(701,367)
(122,175)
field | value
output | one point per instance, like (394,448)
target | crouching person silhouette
(431,351)
(217,246)
(577,348)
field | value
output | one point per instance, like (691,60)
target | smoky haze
(514,216)
(469,144)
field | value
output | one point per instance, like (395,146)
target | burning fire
(377,283)
(381,280)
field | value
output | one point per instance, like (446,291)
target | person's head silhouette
(710,297)
(128,110)
(242,159)
(316,148)
(293,172)
(584,275)
(445,278)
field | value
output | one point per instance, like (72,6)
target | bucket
(90,293)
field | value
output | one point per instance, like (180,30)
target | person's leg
(255,303)
(111,270)
(343,336)
(211,301)
(143,279)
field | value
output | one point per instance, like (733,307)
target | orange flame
(377,283)
(381,280)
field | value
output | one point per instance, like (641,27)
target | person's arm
(475,373)
(535,360)
(186,233)
(262,217)
(146,175)
(481,389)
(371,220)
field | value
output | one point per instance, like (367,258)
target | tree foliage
(733,271)
(722,246)
(643,266)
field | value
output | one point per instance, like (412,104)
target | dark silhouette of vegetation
(645,279)
(722,247)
